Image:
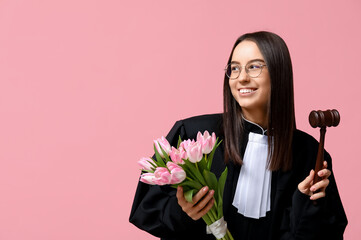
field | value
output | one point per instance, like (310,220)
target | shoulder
(304,142)
(304,138)
(201,120)
(201,123)
(305,147)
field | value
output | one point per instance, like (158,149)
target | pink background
(86,85)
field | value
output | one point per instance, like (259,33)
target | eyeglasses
(253,69)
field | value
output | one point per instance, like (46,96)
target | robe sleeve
(324,220)
(156,210)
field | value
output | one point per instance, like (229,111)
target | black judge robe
(292,216)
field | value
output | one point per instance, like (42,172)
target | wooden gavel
(322,119)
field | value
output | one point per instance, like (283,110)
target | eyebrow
(253,60)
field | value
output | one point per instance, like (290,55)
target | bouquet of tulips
(189,166)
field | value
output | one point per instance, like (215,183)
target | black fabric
(292,216)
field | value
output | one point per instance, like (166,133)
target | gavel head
(326,118)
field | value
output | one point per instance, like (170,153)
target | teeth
(246,90)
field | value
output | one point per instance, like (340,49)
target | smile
(247,90)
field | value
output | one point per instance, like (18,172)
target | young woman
(269,193)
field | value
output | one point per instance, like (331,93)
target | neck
(258,117)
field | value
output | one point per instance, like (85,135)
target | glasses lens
(254,69)
(233,71)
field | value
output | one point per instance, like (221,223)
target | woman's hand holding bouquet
(187,168)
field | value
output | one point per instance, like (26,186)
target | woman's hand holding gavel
(315,185)
(315,190)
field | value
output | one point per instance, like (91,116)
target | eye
(254,66)
(234,68)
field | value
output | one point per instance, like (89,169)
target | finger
(324,173)
(318,195)
(306,183)
(197,211)
(179,192)
(201,193)
(321,185)
(180,196)
(324,164)
(183,203)
(205,209)
(194,210)
(202,203)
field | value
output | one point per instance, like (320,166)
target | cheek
(230,84)
(267,93)
(267,87)
(233,89)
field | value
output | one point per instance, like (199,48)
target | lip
(247,91)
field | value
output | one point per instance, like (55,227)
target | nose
(243,76)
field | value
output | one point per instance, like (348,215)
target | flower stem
(213,213)
(211,218)
(229,235)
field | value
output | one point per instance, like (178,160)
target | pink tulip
(207,141)
(163,142)
(162,176)
(186,143)
(177,173)
(145,164)
(194,152)
(177,155)
(148,178)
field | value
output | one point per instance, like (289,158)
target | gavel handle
(320,155)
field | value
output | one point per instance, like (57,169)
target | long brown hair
(281,113)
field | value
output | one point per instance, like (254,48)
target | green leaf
(220,208)
(153,163)
(189,196)
(189,173)
(158,157)
(202,164)
(211,154)
(179,141)
(211,181)
(164,154)
(192,184)
(221,182)
(193,169)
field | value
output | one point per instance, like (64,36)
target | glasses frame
(241,67)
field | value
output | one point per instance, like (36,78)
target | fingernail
(205,189)
(312,189)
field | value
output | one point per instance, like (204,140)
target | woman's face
(252,94)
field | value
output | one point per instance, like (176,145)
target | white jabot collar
(253,193)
